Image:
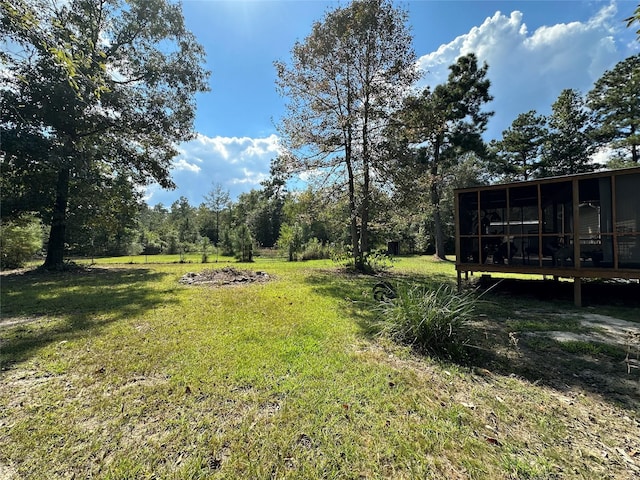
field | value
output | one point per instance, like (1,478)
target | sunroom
(576,226)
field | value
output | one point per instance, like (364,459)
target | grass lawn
(121,372)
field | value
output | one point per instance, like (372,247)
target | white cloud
(602,156)
(528,70)
(182,164)
(236,163)
(250,177)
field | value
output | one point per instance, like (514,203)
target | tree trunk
(55,249)
(364,214)
(353,215)
(437,221)
(356,252)
(435,202)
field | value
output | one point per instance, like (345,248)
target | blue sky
(534,50)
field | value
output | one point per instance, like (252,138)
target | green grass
(125,373)
(593,348)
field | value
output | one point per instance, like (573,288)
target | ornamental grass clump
(433,321)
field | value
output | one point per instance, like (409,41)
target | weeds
(378,261)
(433,321)
(315,250)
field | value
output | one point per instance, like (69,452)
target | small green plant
(377,261)
(242,244)
(290,239)
(205,243)
(430,320)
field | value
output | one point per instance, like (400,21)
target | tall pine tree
(436,129)
(615,101)
(569,145)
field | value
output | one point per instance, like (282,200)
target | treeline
(110,218)
(302,225)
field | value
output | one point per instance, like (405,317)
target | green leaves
(20,239)
(635,18)
(519,151)
(569,143)
(108,84)
(615,101)
(342,82)
(434,131)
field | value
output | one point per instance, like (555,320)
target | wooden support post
(459,281)
(577,291)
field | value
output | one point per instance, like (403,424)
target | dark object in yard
(383,291)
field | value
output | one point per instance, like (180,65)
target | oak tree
(100,85)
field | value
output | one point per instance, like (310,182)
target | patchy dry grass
(122,372)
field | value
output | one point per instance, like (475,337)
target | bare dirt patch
(605,373)
(14,321)
(601,329)
(224,277)
(590,353)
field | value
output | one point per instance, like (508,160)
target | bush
(242,244)
(20,240)
(152,248)
(433,321)
(377,261)
(314,250)
(290,239)
(374,262)
(205,243)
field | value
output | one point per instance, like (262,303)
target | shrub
(290,239)
(20,239)
(242,244)
(152,248)
(314,250)
(205,243)
(377,261)
(433,321)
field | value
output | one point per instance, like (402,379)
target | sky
(534,50)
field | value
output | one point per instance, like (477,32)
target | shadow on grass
(514,340)
(502,341)
(43,308)
(519,314)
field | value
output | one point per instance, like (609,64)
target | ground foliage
(120,371)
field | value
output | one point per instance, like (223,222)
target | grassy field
(120,371)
